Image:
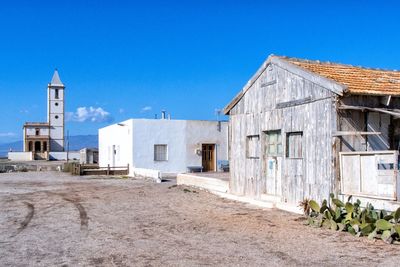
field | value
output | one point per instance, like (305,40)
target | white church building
(157,146)
(45,140)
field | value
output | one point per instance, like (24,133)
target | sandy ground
(53,219)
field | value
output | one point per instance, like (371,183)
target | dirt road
(53,219)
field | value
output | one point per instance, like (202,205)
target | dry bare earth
(50,219)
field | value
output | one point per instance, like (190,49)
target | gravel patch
(54,219)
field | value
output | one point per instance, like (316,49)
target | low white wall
(20,156)
(72,155)
(139,172)
(208,183)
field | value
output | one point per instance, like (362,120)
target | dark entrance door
(38,146)
(208,157)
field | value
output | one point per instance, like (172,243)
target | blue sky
(132,59)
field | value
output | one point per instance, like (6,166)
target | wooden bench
(195,169)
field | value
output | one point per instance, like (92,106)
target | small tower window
(56,94)
(56,116)
(56,104)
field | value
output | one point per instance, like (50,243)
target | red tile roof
(359,80)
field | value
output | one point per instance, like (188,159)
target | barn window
(273,143)
(294,145)
(160,152)
(253,146)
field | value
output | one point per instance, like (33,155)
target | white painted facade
(133,142)
(55,113)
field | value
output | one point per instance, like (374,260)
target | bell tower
(55,113)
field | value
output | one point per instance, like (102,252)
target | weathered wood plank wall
(282,100)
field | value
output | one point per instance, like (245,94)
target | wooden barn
(305,129)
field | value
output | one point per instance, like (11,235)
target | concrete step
(208,183)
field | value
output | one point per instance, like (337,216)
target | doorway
(208,157)
(38,146)
(273,153)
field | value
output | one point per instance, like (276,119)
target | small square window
(160,153)
(253,146)
(273,144)
(294,145)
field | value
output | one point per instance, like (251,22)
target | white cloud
(146,109)
(89,114)
(121,110)
(9,134)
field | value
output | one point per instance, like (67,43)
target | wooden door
(273,163)
(208,157)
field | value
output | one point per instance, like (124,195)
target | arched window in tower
(56,94)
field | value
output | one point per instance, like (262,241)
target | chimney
(163,114)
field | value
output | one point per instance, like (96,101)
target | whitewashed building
(45,140)
(152,146)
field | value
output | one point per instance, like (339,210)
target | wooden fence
(93,169)
(370,174)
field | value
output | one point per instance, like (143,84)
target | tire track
(28,217)
(82,213)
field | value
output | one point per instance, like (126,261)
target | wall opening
(37,146)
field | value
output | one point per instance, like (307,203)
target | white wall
(32,131)
(56,121)
(57,108)
(148,133)
(52,93)
(56,133)
(20,156)
(72,155)
(134,142)
(206,132)
(118,136)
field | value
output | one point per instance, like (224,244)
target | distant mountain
(76,142)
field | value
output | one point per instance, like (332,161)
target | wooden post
(108,169)
(127,170)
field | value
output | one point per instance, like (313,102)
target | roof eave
(253,79)
(331,85)
(314,77)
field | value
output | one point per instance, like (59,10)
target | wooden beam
(385,100)
(346,133)
(292,103)
(268,83)
(393,112)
